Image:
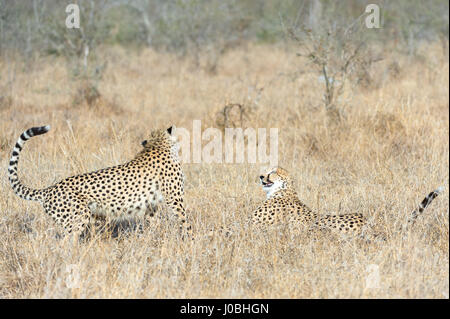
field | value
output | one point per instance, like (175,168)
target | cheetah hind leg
(73,218)
(79,226)
(86,221)
(370,235)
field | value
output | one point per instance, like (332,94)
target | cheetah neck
(291,196)
(159,148)
(285,192)
(175,152)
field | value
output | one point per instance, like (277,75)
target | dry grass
(389,150)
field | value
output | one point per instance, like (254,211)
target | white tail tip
(439,190)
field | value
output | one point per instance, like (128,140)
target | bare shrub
(78,45)
(337,48)
(386,125)
(234,115)
(86,92)
(193,28)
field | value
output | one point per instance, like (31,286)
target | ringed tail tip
(40,130)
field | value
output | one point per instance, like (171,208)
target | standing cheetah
(282,205)
(119,192)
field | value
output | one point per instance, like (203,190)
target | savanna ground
(388,149)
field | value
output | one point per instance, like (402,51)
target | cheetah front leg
(175,203)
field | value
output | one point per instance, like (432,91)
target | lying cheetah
(282,205)
(120,192)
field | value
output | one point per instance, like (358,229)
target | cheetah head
(163,138)
(274,180)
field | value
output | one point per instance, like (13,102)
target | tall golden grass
(389,150)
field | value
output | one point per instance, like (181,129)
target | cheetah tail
(21,190)
(424,204)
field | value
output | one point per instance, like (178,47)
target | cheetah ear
(143,143)
(171,130)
